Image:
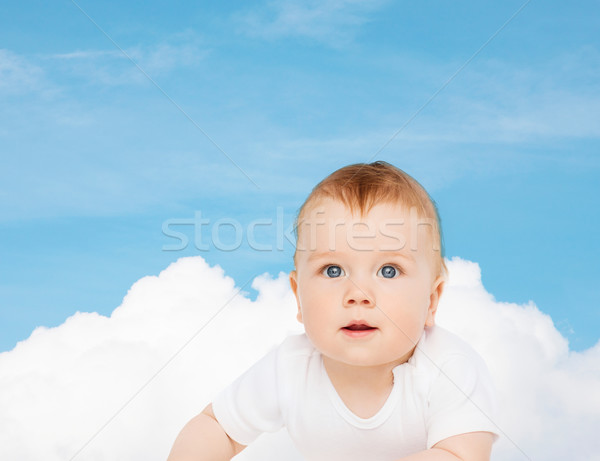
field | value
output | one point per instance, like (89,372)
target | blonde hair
(362,185)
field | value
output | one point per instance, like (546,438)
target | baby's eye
(388,271)
(333,271)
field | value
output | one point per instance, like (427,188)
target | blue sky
(237,111)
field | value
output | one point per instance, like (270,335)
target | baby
(372,378)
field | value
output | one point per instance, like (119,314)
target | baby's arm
(203,439)
(473,446)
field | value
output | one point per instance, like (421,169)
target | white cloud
(60,386)
(544,387)
(19,76)
(331,21)
(114,67)
(511,102)
(89,54)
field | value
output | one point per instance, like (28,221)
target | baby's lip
(359,325)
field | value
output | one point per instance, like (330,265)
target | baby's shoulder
(296,350)
(439,346)
(297,368)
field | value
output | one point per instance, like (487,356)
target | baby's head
(362,185)
(369,264)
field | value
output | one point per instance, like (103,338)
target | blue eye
(388,272)
(333,271)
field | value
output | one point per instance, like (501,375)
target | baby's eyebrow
(400,254)
(315,255)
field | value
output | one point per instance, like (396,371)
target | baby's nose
(357,296)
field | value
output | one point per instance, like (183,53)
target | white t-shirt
(443,390)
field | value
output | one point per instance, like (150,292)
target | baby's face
(365,286)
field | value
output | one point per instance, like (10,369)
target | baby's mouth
(359,327)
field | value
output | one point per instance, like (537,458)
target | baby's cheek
(409,323)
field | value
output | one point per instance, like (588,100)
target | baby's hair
(362,185)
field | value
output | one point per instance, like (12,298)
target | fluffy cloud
(549,399)
(332,21)
(121,387)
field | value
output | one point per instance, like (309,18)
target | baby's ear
(294,282)
(434,299)
(294,285)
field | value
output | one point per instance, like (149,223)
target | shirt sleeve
(461,400)
(250,405)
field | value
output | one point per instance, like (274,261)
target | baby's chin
(364,359)
(362,352)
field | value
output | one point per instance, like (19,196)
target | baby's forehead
(330,204)
(380,223)
(335,211)
(331,225)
